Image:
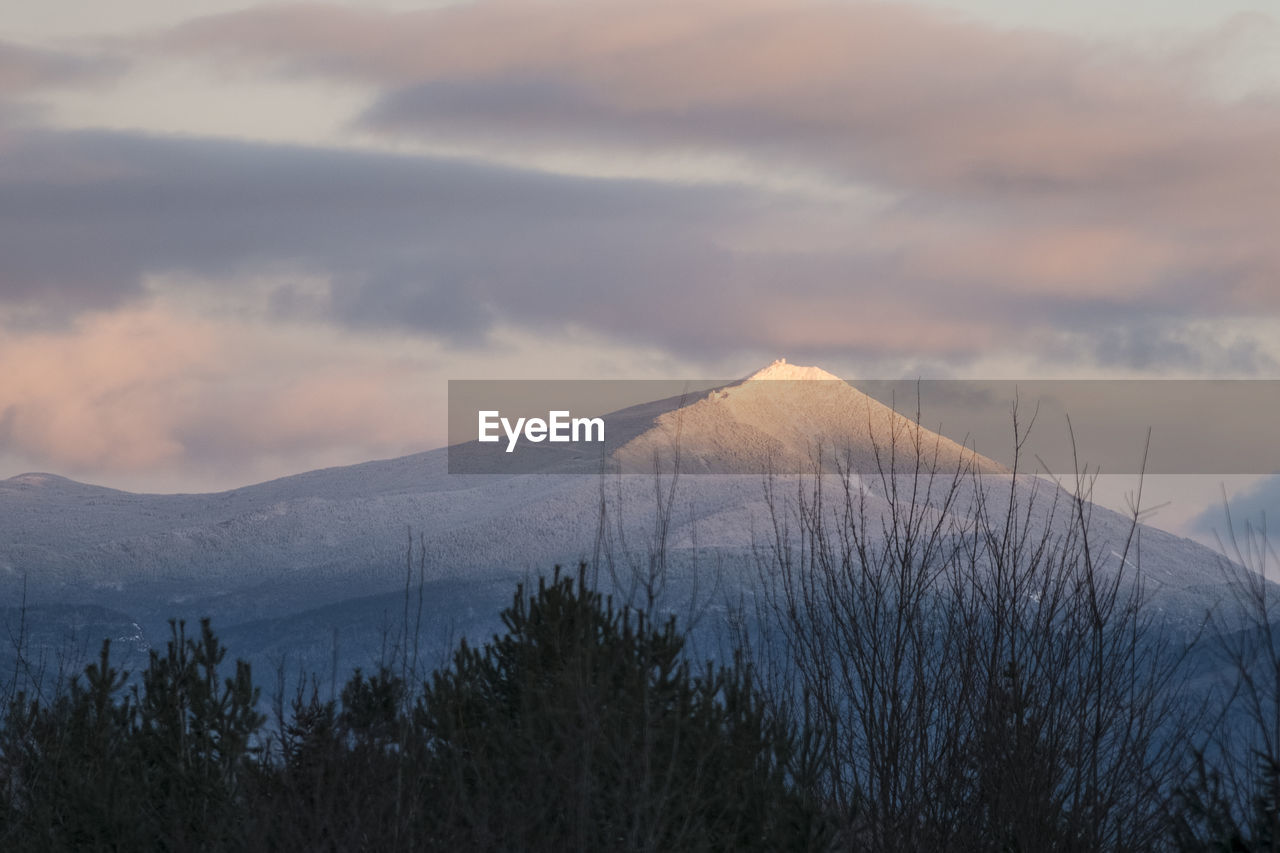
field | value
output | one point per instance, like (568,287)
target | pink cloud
(1033,189)
(152,390)
(26,69)
(885,91)
(1028,160)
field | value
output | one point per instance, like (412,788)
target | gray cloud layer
(1252,520)
(449,249)
(1039,178)
(438,246)
(1043,198)
(25,69)
(1047,193)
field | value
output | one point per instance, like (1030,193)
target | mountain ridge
(305,543)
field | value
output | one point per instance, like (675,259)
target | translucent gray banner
(1219,427)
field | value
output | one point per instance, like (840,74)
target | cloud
(1043,193)
(26,69)
(167,395)
(28,73)
(439,247)
(433,245)
(1035,180)
(99,396)
(1037,198)
(156,388)
(453,249)
(1251,511)
(908,95)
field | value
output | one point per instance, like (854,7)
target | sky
(239,241)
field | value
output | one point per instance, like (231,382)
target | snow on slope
(323,537)
(789,419)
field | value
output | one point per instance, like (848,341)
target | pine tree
(585,727)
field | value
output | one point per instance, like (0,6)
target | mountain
(303,571)
(790,419)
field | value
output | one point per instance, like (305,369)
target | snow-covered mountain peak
(279,563)
(36,479)
(781,370)
(785,418)
(38,482)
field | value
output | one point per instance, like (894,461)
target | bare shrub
(981,665)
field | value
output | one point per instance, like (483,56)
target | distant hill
(297,568)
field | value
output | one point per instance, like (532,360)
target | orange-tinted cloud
(1040,196)
(156,388)
(877,90)
(24,69)
(1025,160)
